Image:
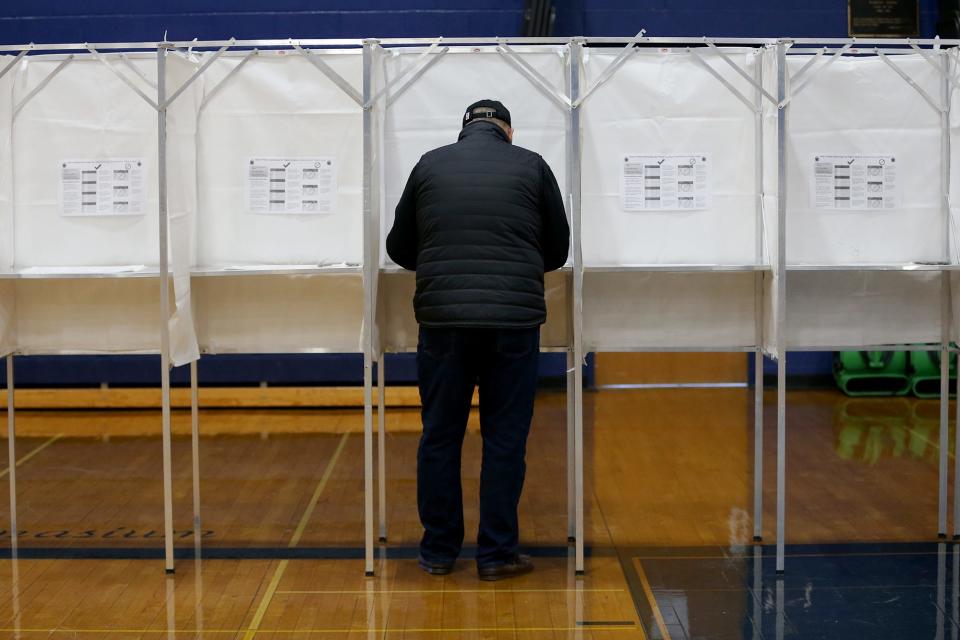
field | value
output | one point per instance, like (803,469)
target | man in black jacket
(480,221)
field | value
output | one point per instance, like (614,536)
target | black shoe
(435,567)
(518,565)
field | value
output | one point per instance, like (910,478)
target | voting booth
(866,155)
(279,234)
(679,219)
(419,97)
(423,94)
(90,222)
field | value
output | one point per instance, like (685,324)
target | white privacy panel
(87,315)
(626,311)
(6,166)
(398,326)
(853,309)
(7,293)
(276,314)
(954,62)
(428,114)
(84,113)
(659,107)
(857,110)
(770,199)
(278,110)
(181,163)
(85,184)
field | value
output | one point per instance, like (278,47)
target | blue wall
(731,18)
(141,20)
(42,21)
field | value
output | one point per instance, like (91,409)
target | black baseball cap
(486,109)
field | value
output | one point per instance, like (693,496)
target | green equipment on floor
(925,373)
(871,373)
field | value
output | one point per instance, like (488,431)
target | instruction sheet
(292,186)
(854,182)
(665,183)
(113,187)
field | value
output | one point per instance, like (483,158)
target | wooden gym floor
(668,511)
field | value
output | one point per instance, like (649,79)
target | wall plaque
(884,18)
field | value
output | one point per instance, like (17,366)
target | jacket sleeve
(555,239)
(402,241)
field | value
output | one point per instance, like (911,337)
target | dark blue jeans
(450,363)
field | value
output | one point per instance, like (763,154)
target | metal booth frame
(163,273)
(571,97)
(699,49)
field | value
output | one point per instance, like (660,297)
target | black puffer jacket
(480,221)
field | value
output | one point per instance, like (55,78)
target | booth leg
(577,302)
(368,463)
(758,446)
(781,329)
(370,260)
(946,304)
(382,446)
(781,457)
(164,311)
(12,455)
(578,465)
(571,453)
(944,439)
(956,470)
(195,442)
(167,473)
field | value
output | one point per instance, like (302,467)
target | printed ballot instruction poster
(665,183)
(854,182)
(302,186)
(109,187)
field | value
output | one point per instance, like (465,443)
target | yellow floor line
(301,527)
(658,616)
(451,591)
(295,540)
(265,601)
(33,453)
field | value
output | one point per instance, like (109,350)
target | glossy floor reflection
(877,591)
(839,591)
(309,599)
(669,523)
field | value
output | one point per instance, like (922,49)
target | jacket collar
(483,129)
